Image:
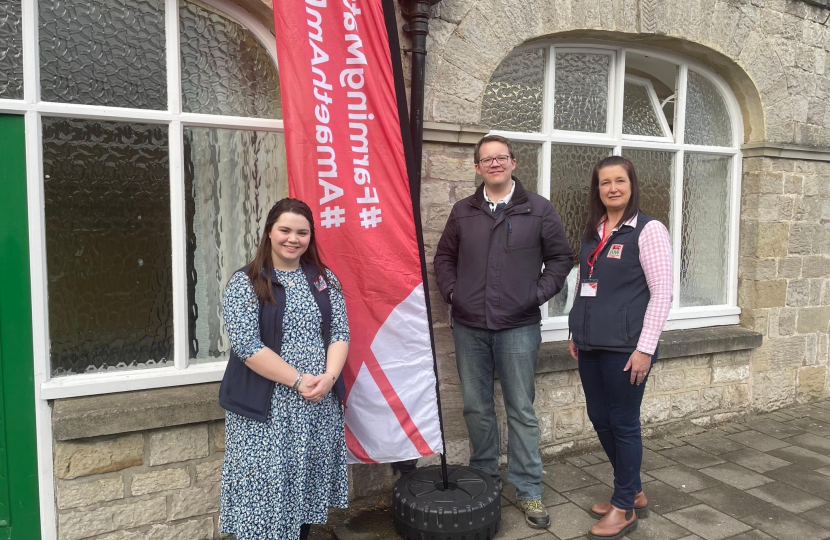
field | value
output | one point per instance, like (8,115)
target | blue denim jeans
(513,354)
(613,405)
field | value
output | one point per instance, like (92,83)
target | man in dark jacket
(489,268)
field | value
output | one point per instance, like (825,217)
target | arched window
(567,105)
(155,150)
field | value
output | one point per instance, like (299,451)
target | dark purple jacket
(493,266)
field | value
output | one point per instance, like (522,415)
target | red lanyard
(592,258)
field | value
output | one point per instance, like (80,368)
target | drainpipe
(417,13)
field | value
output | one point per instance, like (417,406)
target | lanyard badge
(588,287)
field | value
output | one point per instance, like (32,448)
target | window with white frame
(155,150)
(567,105)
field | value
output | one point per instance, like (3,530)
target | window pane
(232,178)
(108,245)
(705,235)
(707,119)
(639,115)
(225,69)
(11,51)
(513,97)
(581,92)
(655,174)
(103,52)
(570,178)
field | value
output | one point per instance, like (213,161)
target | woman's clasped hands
(315,387)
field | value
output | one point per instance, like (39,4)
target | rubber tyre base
(469,510)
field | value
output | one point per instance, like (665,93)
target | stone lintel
(555,356)
(453,133)
(109,414)
(786,151)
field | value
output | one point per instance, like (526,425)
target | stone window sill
(111,414)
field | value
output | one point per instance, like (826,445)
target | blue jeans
(613,405)
(513,354)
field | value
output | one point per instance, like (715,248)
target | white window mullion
(618,96)
(734,231)
(676,231)
(174,83)
(31,54)
(680,105)
(181,349)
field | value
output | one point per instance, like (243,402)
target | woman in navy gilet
(285,449)
(622,300)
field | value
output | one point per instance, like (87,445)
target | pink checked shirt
(656,260)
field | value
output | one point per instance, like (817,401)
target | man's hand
(639,363)
(574,350)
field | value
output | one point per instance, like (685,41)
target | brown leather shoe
(640,506)
(614,525)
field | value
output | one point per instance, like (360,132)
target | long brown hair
(262,260)
(596,210)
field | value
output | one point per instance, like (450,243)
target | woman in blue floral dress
(282,474)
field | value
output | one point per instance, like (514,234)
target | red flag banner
(346,160)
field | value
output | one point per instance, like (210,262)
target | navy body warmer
(613,320)
(247,393)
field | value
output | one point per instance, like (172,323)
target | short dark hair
(493,138)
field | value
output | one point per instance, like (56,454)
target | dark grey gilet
(613,320)
(247,393)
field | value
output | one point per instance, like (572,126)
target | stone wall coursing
(774,53)
(784,271)
(156,485)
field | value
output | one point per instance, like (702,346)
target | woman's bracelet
(297,382)
(333,378)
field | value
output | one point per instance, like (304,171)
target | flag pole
(412,133)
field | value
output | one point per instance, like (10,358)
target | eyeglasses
(488,161)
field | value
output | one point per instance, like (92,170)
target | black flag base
(468,508)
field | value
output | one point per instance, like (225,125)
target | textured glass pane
(707,119)
(108,245)
(11,50)
(232,179)
(581,92)
(225,69)
(639,116)
(513,97)
(570,178)
(527,165)
(655,173)
(103,52)
(704,244)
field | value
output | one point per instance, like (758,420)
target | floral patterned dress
(280,474)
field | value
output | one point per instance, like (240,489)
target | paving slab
(569,521)
(811,425)
(773,428)
(605,473)
(549,496)
(588,496)
(736,476)
(787,497)
(372,524)
(812,442)
(801,478)
(755,460)
(653,460)
(754,534)
(692,457)
(707,522)
(656,527)
(514,527)
(786,526)
(820,516)
(731,501)
(758,441)
(662,498)
(577,461)
(716,445)
(566,477)
(684,478)
(802,457)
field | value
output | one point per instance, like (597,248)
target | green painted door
(19,510)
